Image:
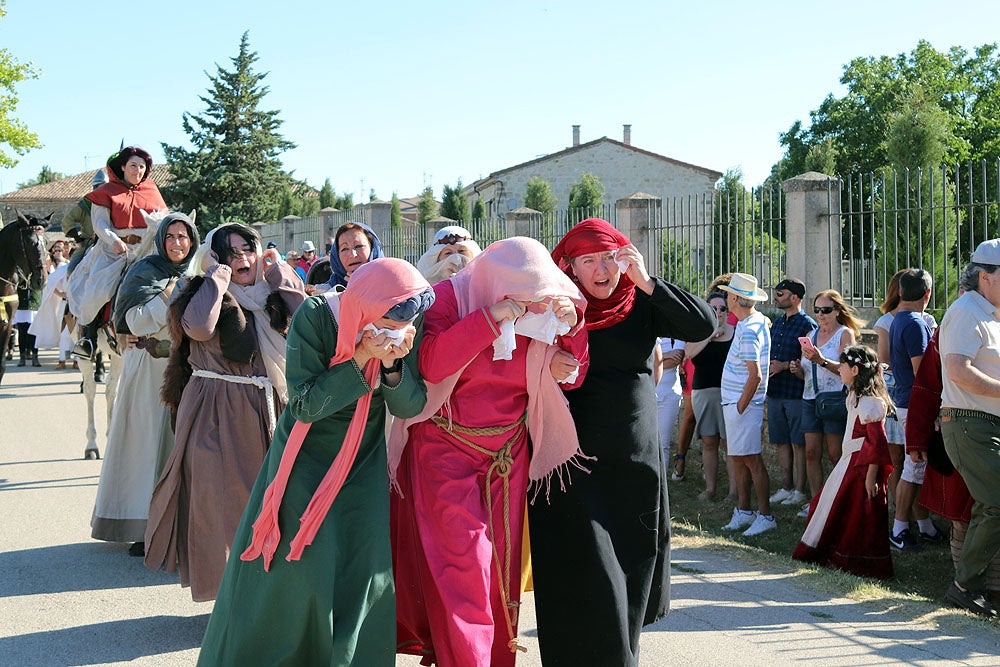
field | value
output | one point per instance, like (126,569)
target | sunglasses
(826,310)
(451,239)
(720,309)
(779,293)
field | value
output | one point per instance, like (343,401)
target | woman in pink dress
(500,337)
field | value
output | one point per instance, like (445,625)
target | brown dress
(222,432)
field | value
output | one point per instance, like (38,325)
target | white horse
(112,353)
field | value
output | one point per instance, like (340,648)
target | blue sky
(396,95)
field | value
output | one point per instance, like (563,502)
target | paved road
(68,600)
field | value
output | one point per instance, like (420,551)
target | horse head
(27,249)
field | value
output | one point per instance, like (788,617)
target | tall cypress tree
(233,173)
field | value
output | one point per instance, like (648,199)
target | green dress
(335,606)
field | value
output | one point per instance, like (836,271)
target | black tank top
(709,363)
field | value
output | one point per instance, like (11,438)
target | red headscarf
(589,236)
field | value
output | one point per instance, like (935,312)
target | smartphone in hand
(806,343)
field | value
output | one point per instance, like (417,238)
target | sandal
(678,472)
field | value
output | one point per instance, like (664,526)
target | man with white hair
(970,418)
(744,388)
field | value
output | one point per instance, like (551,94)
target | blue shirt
(908,337)
(751,342)
(785,334)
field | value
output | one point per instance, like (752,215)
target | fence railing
(694,238)
(927,218)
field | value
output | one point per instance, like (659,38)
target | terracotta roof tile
(74,187)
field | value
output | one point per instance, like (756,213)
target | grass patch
(921,578)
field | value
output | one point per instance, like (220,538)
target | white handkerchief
(622,264)
(504,346)
(571,377)
(541,326)
(395,336)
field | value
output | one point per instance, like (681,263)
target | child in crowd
(847,519)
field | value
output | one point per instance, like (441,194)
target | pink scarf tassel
(266,534)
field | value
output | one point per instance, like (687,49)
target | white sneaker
(795,497)
(780,495)
(740,520)
(804,512)
(761,524)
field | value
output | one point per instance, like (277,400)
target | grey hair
(969,280)
(745,303)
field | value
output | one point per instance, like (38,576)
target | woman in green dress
(309,580)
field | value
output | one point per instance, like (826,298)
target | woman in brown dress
(226,386)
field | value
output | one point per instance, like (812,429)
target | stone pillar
(328,223)
(523,221)
(288,232)
(812,232)
(635,215)
(379,217)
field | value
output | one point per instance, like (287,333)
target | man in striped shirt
(744,389)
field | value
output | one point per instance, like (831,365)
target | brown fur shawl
(237,336)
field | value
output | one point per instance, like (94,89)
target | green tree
(46,175)
(344,202)
(426,207)
(309,203)
(14,135)
(371,195)
(822,157)
(326,195)
(588,192)
(538,195)
(234,172)
(964,86)
(454,203)
(479,210)
(395,215)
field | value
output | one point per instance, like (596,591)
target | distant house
(58,197)
(622,168)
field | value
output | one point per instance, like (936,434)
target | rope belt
(131,239)
(10,298)
(501,465)
(255,380)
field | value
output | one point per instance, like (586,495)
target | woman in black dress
(601,550)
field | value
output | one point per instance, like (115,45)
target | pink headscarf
(374,288)
(517,268)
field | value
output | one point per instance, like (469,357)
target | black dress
(601,549)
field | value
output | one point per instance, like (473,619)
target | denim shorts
(813,424)
(784,421)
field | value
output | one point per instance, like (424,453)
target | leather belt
(131,239)
(950,414)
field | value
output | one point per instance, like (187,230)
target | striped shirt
(751,342)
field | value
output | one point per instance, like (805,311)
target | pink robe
(443,557)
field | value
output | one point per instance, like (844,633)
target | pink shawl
(518,268)
(374,288)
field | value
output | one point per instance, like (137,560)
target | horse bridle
(23,279)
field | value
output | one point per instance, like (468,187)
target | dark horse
(22,263)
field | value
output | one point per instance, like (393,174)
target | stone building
(621,167)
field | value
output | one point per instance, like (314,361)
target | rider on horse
(118,225)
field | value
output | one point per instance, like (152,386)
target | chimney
(627,135)
(576,135)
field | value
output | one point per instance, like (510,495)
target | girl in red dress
(847,518)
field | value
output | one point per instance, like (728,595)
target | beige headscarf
(253,297)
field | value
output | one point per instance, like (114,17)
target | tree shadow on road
(104,643)
(86,566)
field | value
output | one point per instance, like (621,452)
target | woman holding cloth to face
(600,551)
(500,337)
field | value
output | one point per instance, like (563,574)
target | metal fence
(694,238)
(927,218)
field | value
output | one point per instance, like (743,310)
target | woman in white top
(838,330)
(668,396)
